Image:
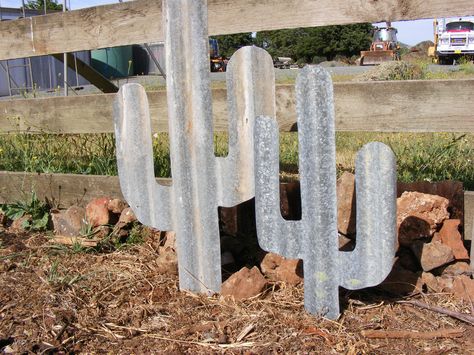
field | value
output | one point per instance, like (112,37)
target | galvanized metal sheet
(201,182)
(315,238)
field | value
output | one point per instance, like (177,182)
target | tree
(307,45)
(39,5)
(228,44)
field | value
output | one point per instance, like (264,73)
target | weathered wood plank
(140,21)
(63,190)
(397,106)
(469,217)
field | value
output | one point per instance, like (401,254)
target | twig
(222,346)
(246,331)
(409,334)
(65,240)
(468,318)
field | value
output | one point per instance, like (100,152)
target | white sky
(409,32)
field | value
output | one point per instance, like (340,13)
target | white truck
(454,38)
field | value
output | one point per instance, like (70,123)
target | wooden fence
(408,106)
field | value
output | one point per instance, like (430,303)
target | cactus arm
(275,234)
(149,200)
(250,93)
(372,259)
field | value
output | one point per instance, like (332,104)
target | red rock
(20,224)
(97,213)
(449,189)
(419,215)
(463,288)
(278,268)
(70,222)
(168,240)
(290,200)
(127,216)
(445,283)
(243,284)
(346,244)
(3,218)
(346,207)
(101,232)
(431,282)
(432,255)
(450,236)
(457,268)
(116,205)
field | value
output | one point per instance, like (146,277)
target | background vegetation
(420,156)
(39,5)
(304,45)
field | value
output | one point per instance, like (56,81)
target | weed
(38,211)
(58,280)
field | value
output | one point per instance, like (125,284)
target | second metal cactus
(315,237)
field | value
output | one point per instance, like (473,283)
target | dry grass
(128,301)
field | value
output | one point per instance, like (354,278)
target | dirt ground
(55,299)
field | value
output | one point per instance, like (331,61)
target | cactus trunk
(201,182)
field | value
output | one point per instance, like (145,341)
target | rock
(168,240)
(3,218)
(243,284)
(445,283)
(127,216)
(101,232)
(290,200)
(20,224)
(346,207)
(345,244)
(97,213)
(116,205)
(401,281)
(449,189)
(436,237)
(70,222)
(463,288)
(450,236)
(457,268)
(278,268)
(432,255)
(431,282)
(418,216)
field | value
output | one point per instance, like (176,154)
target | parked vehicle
(453,38)
(384,47)
(217,62)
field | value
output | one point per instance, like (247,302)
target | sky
(409,32)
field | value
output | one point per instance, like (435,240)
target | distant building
(41,73)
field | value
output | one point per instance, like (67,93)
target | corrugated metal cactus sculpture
(314,238)
(200,181)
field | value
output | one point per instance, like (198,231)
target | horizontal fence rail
(141,22)
(394,106)
(64,190)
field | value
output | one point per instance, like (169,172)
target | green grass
(420,156)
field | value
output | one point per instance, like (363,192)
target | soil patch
(53,299)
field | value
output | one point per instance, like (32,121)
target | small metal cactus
(200,181)
(314,238)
